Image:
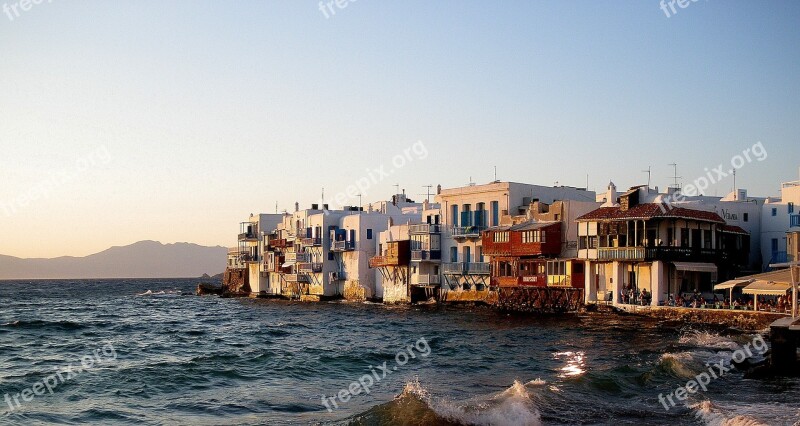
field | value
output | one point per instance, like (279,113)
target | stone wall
(395,293)
(462,296)
(354,291)
(744,320)
(236,281)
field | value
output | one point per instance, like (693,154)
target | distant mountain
(145,259)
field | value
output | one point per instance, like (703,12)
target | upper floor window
(745,217)
(774,211)
(500,237)
(495,213)
(369,234)
(791,208)
(533,237)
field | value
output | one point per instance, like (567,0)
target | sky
(173,121)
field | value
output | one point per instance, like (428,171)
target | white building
(778,216)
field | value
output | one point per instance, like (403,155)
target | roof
(766,283)
(733,229)
(525,226)
(767,288)
(731,284)
(695,266)
(650,211)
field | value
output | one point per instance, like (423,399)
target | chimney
(438,189)
(296,206)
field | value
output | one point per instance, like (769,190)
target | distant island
(144,259)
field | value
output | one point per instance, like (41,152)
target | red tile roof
(733,229)
(650,211)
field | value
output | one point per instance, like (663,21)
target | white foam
(712,416)
(510,407)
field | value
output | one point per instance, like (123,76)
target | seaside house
(468,211)
(636,241)
(780,214)
(252,246)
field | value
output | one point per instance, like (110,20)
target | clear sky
(173,121)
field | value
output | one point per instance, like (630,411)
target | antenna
(735,195)
(675,176)
(276,207)
(323,195)
(648,175)
(428,193)
(359,201)
(396,188)
(495,173)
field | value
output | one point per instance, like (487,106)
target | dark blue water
(158,355)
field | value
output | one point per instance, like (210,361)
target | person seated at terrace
(671,301)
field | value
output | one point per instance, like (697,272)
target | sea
(150,352)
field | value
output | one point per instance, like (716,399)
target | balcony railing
(689,254)
(278,243)
(310,267)
(248,236)
(297,278)
(343,245)
(311,241)
(298,257)
(425,228)
(620,253)
(794,220)
(559,280)
(248,258)
(461,268)
(779,257)
(426,279)
(426,255)
(467,231)
(378,261)
(337,276)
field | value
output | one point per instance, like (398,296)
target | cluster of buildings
(516,244)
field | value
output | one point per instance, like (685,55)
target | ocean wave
(513,406)
(160,293)
(704,339)
(713,416)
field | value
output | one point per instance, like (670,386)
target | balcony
(378,261)
(426,255)
(538,280)
(248,236)
(310,267)
(343,245)
(467,231)
(425,228)
(297,278)
(426,279)
(337,276)
(668,254)
(461,268)
(298,257)
(620,253)
(794,221)
(311,241)
(279,243)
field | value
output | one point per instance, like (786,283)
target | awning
(770,288)
(695,266)
(286,265)
(732,284)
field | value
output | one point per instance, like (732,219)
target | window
(500,237)
(774,211)
(791,208)
(466,215)
(480,254)
(593,242)
(454,254)
(533,237)
(746,217)
(774,245)
(454,215)
(495,213)
(330,255)
(583,243)
(467,254)
(369,234)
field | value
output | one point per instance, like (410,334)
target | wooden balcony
(620,253)
(378,261)
(248,236)
(279,243)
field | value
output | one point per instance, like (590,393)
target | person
(671,300)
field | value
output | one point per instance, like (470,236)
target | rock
(207,288)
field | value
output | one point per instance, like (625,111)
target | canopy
(733,284)
(695,266)
(769,288)
(286,265)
